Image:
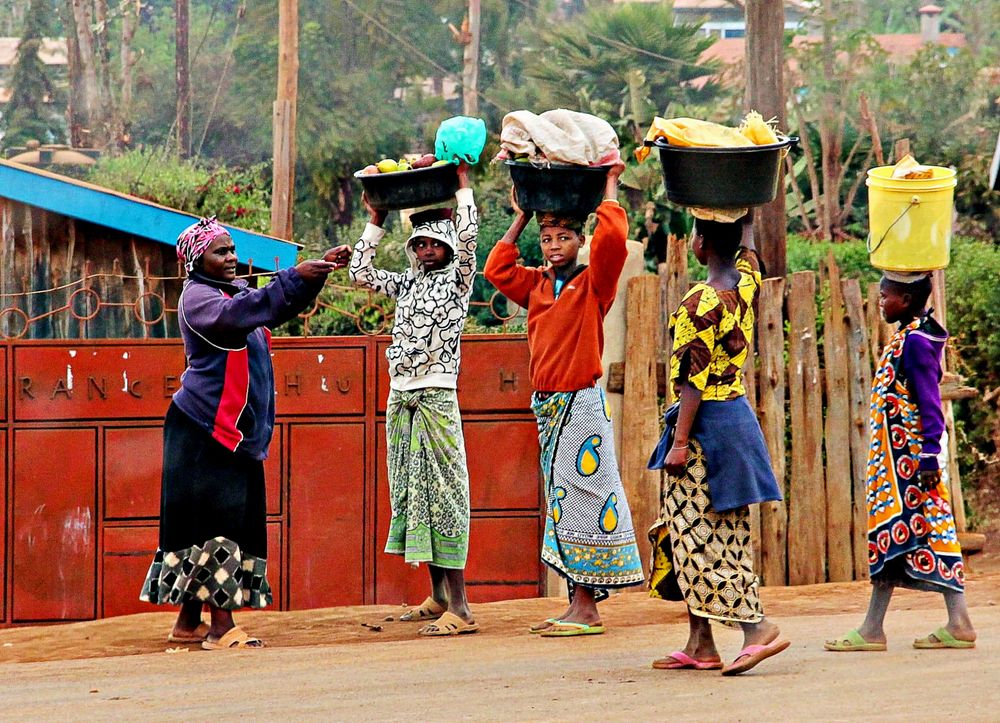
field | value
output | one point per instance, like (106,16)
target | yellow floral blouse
(713,333)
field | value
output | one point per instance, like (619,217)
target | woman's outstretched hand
(339,256)
(314,271)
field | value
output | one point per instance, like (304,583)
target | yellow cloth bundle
(754,130)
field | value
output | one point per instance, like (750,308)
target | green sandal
(566,629)
(944,639)
(852,642)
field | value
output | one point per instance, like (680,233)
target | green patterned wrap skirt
(428,478)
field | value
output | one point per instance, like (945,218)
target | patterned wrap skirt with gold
(589,538)
(703,557)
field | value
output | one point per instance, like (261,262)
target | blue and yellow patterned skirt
(589,537)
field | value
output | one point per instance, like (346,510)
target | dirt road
(326,665)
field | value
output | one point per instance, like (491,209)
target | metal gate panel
(95,380)
(503,464)
(315,379)
(55,524)
(326,515)
(503,558)
(127,554)
(133,463)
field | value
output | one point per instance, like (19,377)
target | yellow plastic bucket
(909,220)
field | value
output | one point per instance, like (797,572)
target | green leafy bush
(238,196)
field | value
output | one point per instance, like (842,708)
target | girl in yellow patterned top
(716,461)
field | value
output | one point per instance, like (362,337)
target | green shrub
(238,196)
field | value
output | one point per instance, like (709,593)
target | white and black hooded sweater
(430,306)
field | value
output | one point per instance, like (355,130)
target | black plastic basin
(563,189)
(721,177)
(410,189)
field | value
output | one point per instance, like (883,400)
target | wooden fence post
(840,558)
(859,396)
(677,281)
(880,330)
(771,397)
(807,493)
(640,418)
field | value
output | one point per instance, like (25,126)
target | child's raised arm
(608,251)
(467,225)
(502,270)
(362,270)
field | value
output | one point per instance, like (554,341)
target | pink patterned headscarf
(193,241)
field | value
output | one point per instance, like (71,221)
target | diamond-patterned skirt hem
(218,573)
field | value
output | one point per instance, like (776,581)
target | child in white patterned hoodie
(428,474)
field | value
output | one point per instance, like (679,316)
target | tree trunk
(130,19)
(75,120)
(470,72)
(765,60)
(86,53)
(183,76)
(830,129)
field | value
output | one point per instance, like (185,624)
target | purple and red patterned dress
(912,540)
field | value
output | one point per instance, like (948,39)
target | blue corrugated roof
(128,214)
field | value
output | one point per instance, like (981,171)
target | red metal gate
(80,440)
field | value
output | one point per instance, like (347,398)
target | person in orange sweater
(589,538)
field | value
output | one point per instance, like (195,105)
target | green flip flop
(852,642)
(566,629)
(944,640)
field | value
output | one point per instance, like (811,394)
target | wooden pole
(470,62)
(771,347)
(640,423)
(284,116)
(765,62)
(839,512)
(859,377)
(807,491)
(183,78)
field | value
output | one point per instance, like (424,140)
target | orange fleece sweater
(566,335)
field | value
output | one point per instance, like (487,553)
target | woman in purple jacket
(213,538)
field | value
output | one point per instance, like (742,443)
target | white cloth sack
(561,136)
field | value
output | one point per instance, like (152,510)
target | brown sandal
(428,610)
(448,624)
(234,639)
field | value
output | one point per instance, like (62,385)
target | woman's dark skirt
(213,533)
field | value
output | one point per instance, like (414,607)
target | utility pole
(470,61)
(284,116)
(765,61)
(183,121)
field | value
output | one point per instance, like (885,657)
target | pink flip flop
(751,655)
(679,660)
